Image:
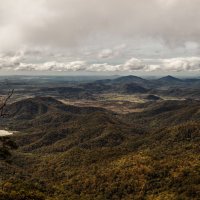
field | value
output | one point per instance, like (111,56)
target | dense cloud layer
(132,65)
(65,24)
(69,22)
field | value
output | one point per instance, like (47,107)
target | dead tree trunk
(3,103)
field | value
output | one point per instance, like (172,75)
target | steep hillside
(68,152)
(166,113)
(53,126)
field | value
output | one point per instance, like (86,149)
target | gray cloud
(111,53)
(66,35)
(70,22)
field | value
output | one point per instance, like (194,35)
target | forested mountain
(70,152)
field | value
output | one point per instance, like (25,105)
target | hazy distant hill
(126,84)
(129,79)
(170,79)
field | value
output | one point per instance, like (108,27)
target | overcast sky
(100,36)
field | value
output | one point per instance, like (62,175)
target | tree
(3,103)
(5,143)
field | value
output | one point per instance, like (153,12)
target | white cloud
(18,63)
(105,67)
(106,53)
(9,61)
(134,64)
(52,66)
(152,68)
(181,64)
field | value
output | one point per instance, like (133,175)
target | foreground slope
(67,152)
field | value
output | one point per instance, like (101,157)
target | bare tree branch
(4,103)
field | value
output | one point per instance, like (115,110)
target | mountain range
(99,100)
(70,152)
